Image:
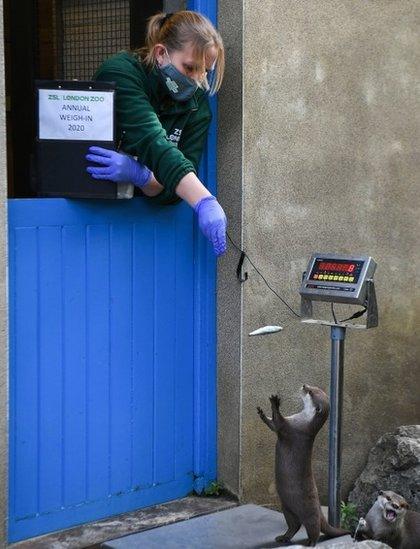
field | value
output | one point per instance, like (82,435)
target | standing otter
(294,477)
(390,521)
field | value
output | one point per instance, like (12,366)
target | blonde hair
(178,29)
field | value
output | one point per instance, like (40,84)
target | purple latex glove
(117,167)
(212,222)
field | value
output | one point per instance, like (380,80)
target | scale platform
(326,323)
(243,527)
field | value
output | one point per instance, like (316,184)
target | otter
(295,481)
(389,520)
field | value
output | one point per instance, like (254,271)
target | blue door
(112,357)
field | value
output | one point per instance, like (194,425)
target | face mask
(179,86)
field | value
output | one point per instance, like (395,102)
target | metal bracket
(241,277)
(306,309)
(371,304)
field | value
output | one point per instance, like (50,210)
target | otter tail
(330,531)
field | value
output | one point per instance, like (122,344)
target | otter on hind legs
(295,481)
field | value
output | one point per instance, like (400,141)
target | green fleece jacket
(167,136)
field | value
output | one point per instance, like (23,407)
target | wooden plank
(121,333)
(24,426)
(50,369)
(164,354)
(98,362)
(74,365)
(143,354)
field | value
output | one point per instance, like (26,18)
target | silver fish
(266,330)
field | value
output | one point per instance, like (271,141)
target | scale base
(337,324)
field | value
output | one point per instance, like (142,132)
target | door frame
(4,317)
(205,425)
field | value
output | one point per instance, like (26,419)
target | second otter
(294,477)
(389,520)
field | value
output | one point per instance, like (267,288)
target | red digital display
(336,267)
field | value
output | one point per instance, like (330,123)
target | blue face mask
(179,86)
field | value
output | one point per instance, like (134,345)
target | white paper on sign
(76,115)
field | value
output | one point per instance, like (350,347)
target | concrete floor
(92,535)
(243,527)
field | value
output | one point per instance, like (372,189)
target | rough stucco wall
(229,292)
(3,302)
(331,163)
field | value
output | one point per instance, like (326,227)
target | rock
(393,464)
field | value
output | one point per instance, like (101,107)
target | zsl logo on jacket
(175,136)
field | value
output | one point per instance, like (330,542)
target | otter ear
(405,505)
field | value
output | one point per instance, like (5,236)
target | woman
(163,115)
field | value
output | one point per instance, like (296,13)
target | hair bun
(166,18)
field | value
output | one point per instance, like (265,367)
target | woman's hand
(211,217)
(212,222)
(117,167)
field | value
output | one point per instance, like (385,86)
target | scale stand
(360,290)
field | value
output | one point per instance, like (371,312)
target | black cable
(333,312)
(356,315)
(262,276)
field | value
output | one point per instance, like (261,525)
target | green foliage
(348,516)
(213,489)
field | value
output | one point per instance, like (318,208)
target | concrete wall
(331,162)
(230,180)
(4,368)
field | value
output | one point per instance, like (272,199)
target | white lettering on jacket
(175,136)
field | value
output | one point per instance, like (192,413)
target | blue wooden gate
(112,357)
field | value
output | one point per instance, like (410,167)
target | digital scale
(338,279)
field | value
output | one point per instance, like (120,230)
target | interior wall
(331,157)
(170,6)
(91,32)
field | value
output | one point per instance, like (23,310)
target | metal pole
(338,334)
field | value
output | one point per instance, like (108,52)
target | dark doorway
(58,39)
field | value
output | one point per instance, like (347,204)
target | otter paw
(275,401)
(282,539)
(260,412)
